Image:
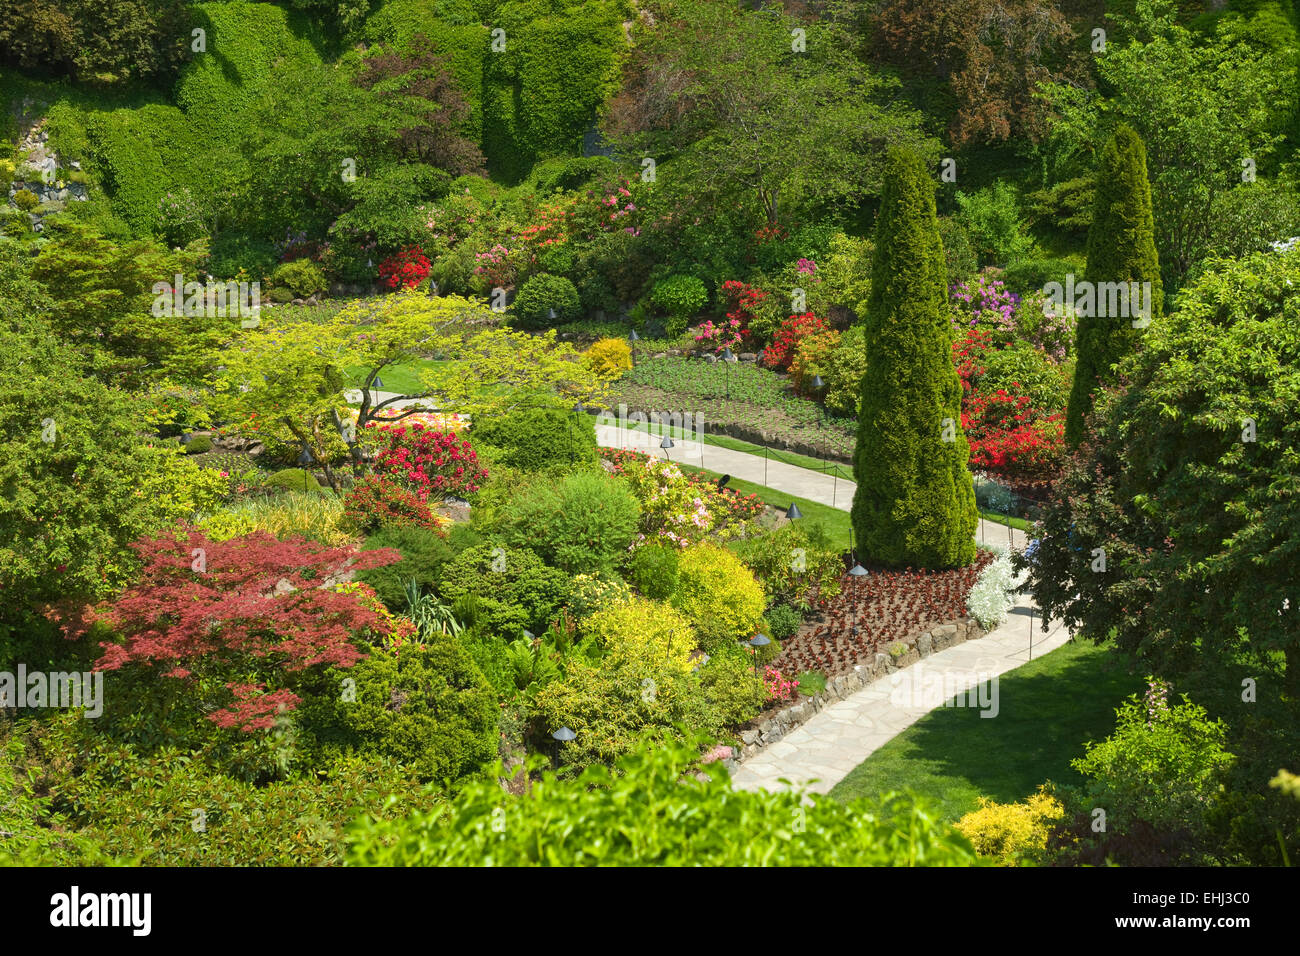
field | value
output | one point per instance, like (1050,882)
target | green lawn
(1048,710)
(403,379)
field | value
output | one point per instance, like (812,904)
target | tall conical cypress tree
(915,502)
(1121,248)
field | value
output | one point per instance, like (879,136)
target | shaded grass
(1049,709)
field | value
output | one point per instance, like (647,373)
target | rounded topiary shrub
(302,277)
(293,479)
(783,621)
(545,301)
(424,554)
(538,438)
(198,445)
(427,706)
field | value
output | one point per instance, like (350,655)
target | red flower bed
(407,269)
(1008,436)
(430,461)
(873,611)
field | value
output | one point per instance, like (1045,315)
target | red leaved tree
(242,615)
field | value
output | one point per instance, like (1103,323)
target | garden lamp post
(632,339)
(377,383)
(562,737)
(757,641)
(793,513)
(727,358)
(666,444)
(305,458)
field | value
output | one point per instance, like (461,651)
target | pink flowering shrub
(723,335)
(432,462)
(778,686)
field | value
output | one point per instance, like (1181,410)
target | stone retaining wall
(899,655)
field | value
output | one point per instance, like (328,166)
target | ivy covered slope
(915,503)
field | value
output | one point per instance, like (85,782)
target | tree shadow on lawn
(1048,709)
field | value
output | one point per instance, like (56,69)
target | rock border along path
(821,752)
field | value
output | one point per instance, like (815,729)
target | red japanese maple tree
(253,604)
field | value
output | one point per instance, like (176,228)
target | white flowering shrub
(990,598)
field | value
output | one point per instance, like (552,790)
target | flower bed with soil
(875,613)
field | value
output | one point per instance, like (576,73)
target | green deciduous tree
(1176,527)
(1121,249)
(915,501)
(1202,105)
(737,116)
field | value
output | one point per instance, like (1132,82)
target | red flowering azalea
(429,461)
(793,330)
(405,270)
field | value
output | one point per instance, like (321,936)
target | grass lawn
(1048,710)
(403,379)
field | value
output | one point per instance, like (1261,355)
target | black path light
(722,482)
(757,641)
(793,512)
(305,458)
(727,358)
(666,444)
(562,737)
(377,382)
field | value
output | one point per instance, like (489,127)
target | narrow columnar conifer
(915,500)
(1121,249)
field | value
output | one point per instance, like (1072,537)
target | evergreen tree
(1121,249)
(915,502)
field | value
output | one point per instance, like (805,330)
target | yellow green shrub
(719,595)
(641,632)
(310,515)
(1005,831)
(609,358)
(182,488)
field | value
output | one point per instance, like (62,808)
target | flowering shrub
(406,269)
(743,302)
(723,335)
(780,353)
(809,361)
(778,686)
(377,500)
(988,303)
(1008,436)
(494,266)
(677,508)
(430,461)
